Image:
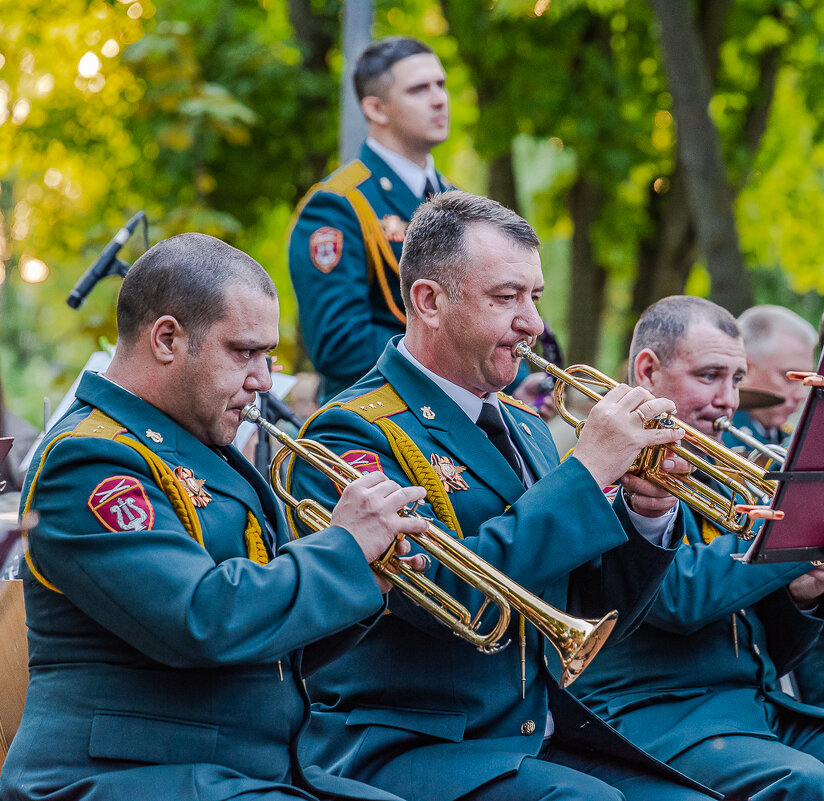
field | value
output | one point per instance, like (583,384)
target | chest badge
(394,228)
(154,436)
(526,428)
(449,473)
(427,412)
(193,486)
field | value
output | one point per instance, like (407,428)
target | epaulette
(510,401)
(98,424)
(346,178)
(340,182)
(379,403)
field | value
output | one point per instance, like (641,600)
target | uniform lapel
(537,461)
(449,426)
(398,196)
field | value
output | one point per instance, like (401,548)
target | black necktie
(429,189)
(491,422)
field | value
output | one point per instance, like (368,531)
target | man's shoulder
(342,181)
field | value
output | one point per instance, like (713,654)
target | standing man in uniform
(349,229)
(412,708)
(697,684)
(776,340)
(170,620)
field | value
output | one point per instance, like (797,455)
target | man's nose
(259,377)
(727,396)
(530,322)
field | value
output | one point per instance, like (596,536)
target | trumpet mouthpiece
(520,349)
(250,412)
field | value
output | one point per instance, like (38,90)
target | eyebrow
(245,345)
(515,285)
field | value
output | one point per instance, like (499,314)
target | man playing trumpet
(697,684)
(168,630)
(413,709)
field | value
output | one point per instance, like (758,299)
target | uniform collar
(450,425)
(410,173)
(465,400)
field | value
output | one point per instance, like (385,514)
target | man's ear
(646,368)
(167,339)
(428,299)
(374,110)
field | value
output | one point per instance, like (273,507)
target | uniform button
(528,728)
(742,612)
(756,649)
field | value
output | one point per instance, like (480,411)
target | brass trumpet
(774,453)
(576,640)
(745,480)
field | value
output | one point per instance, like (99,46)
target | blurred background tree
(216,115)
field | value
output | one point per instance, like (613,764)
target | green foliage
(216,115)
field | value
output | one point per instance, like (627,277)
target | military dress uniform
(697,684)
(167,645)
(344,250)
(419,712)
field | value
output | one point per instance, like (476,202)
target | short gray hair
(760,325)
(435,246)
(663,325)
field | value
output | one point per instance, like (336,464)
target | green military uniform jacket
(677,679)
(415,710)
(155,660)
(343,260)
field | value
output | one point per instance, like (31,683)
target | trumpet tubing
(577,640)
(744,479)
(775,453)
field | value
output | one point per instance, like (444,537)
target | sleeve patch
(326,248)
(120,503)
(365,461)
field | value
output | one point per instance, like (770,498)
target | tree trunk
(709,196)
(502,181)
(666,257)
(587,278)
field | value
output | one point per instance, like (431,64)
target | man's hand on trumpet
(648,499)
(616,432)
(368,509)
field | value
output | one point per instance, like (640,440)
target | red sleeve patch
(326,248)
(365,461)
(120,503)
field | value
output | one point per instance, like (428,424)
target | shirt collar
(465,400)
(409,172)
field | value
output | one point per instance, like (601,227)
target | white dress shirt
(410,173)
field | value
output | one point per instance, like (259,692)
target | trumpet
(745,480)
(577,640)
(774,453)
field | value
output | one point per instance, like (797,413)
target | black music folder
(799,536)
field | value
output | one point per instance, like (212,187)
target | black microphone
(103,266)
(276,410)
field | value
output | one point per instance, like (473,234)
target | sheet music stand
(799,536)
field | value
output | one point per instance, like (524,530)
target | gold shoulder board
(381,402)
